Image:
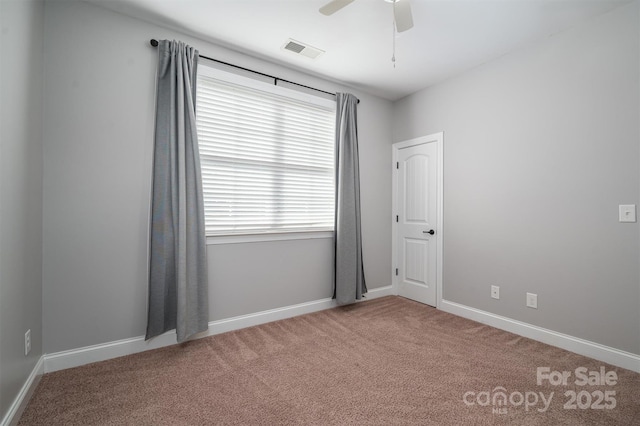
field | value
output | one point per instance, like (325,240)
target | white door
(417,231)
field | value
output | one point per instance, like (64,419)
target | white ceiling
(449,36)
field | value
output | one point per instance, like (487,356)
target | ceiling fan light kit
(402,16)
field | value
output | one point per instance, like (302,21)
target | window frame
(277,87)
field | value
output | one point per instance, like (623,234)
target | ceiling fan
(401,12)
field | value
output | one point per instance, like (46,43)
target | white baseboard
(101,352)
(587,348)
(22,399)
(104,351)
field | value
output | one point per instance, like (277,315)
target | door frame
(438,139)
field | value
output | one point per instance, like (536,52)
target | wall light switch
(627,212)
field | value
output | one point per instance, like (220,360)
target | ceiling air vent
(302,49)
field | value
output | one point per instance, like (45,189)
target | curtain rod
(154,43)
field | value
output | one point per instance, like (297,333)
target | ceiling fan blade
(402,15)
(334,6)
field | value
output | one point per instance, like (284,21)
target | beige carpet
(387,361)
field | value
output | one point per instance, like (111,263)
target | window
(267,156)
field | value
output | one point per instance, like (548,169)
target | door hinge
(397,218)
(396,271)
(397,164)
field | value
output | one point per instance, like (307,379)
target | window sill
(258,238)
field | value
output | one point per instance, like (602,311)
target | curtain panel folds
(349,270)
(178,283)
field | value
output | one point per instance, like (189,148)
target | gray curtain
(178,284)
(349,270)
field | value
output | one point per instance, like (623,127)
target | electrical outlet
(495,292)
(27,342)
(627,212)
(532,300)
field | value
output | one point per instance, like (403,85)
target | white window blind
(267,156)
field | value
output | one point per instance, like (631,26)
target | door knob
(431,231)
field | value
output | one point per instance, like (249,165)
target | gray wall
(20,193)
(540,148)
(99,103)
